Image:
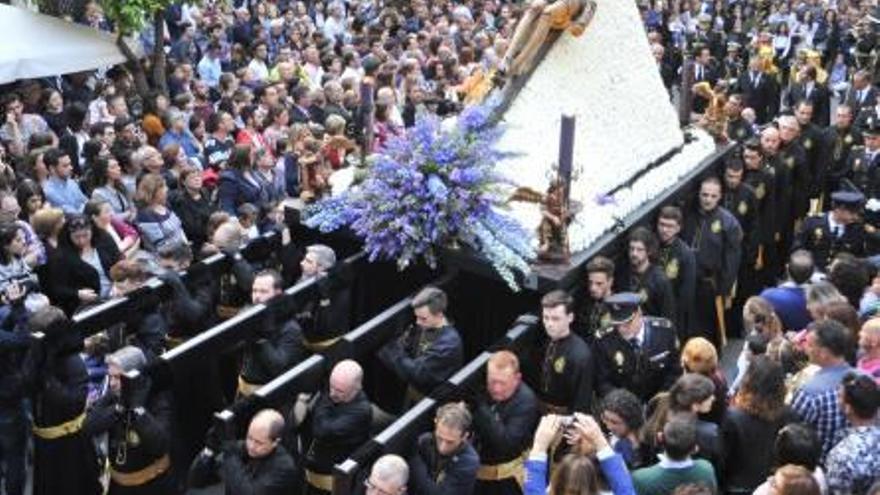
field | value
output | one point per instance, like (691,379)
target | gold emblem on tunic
(559,365)
(716,226)
(672,269)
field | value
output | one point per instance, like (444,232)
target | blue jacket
(234,190)
(612,466)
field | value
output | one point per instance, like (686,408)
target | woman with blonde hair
(158,225)
(700,356)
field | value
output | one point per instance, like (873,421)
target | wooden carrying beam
(108,313)
(399,436)
(306,376)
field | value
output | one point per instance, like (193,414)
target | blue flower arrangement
(436,186)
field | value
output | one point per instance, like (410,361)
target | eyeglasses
(371,487)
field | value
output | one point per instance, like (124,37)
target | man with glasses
(388,477)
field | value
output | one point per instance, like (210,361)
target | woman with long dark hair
(238,185)
(106,176)
(80,268)
(750,426)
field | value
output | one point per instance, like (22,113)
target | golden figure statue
(537,21)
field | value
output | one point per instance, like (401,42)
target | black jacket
(504,429)
(424,358)
(275,474)
(337,431)
(276,349)
(748,448)
(67,273)
(193,215)
(433,474)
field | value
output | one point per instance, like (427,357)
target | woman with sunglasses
(80,267)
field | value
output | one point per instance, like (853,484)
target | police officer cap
(872,127)
(622,306)
(848,199)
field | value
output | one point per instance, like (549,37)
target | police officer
(864,165)
(593,315)
(326,317)
(638,353)
(137,419)
(277,344)
(715,236)
(504,420)
(642,276)
(445,463)
(340,423)
(563,367)
(427,353)
(679,265)
(835,231)
(839,141)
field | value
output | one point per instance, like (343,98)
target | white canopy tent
(36,45)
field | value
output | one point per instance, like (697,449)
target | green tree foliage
(130,16)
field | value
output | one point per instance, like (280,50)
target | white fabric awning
(36,45)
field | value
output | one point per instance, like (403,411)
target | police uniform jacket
(743,203)
(567,373)
(715,237)
(679,265)
(504,430)
(864,170)
(337,431)
(424,357)
(433,474)
(651,367)
(816,237)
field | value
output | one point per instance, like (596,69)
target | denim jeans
(13,446)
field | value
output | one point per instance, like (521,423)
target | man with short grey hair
(137,420)
(428,352)
(325,318)
(389,476)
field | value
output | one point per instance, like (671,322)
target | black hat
(851,200)
(622,306)
(872,126)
